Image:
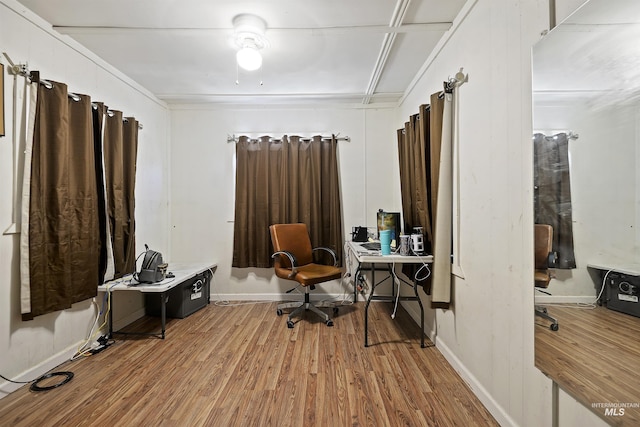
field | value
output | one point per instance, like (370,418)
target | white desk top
(632,269)
(364,255)
(181,272)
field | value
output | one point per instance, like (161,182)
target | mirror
(586,81)
(586,88)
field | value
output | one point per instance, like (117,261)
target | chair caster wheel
(329,322)
(335,310)
(279,312)
(289,324)
(554,327)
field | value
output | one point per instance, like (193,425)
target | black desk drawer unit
(623,293)
(183,300)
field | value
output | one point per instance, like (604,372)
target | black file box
(184,299)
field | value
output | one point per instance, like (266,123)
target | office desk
(182,272)
(367,261)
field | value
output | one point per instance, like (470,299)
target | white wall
(203,177)
(28,349)
(604,187)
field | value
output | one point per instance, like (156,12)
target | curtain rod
(453,82)
(570,134)
(23,70)
(234,138)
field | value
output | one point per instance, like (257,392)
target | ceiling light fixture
(249,38)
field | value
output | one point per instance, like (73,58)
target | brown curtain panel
(62,227)
(435,146)
(285,181)
(120,148)
(129,160)
(83,197)
(415,169)
(97,114)
(419,145)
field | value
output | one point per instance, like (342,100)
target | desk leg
(366,320)
(415,290)
(163,311)
(366,307)
(110,314)
(393,280)
(355,283)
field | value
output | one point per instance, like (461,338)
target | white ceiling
(338,51)
(593,54)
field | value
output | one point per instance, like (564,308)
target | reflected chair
(293,260)
(544,259)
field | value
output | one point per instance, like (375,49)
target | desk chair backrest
(293,238)
(543,244)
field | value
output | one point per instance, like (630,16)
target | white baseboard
(293,296)
(414,312)
(33,373)
(492,406)
(564,299)
(501,416)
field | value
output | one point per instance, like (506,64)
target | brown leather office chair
(544,258)
(294,261)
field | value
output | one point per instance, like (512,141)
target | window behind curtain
(285,181)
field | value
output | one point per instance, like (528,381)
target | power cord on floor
(581,305)
(68,376)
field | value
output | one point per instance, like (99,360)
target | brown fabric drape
(435,146)
(62,228)
(419,145)
(83,195)
(114,176)
(415,168)
(129,160)
(120,166)
(286,181)
(64,235)
(552,194)
(98,111)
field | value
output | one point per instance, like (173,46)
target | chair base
(542,312)
(306,306)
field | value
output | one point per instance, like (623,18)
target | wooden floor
(594,357)
(241,366)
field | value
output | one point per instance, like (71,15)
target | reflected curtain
(552,194)
(59,257)
(285,181)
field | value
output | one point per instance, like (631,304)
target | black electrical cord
(68,376)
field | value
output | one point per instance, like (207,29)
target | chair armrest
(292,260)
(331,251)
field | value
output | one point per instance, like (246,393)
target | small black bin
(184,299)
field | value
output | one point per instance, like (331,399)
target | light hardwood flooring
(241,366)
(594,356)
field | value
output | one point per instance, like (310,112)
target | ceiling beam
(387,45)
(375,29)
